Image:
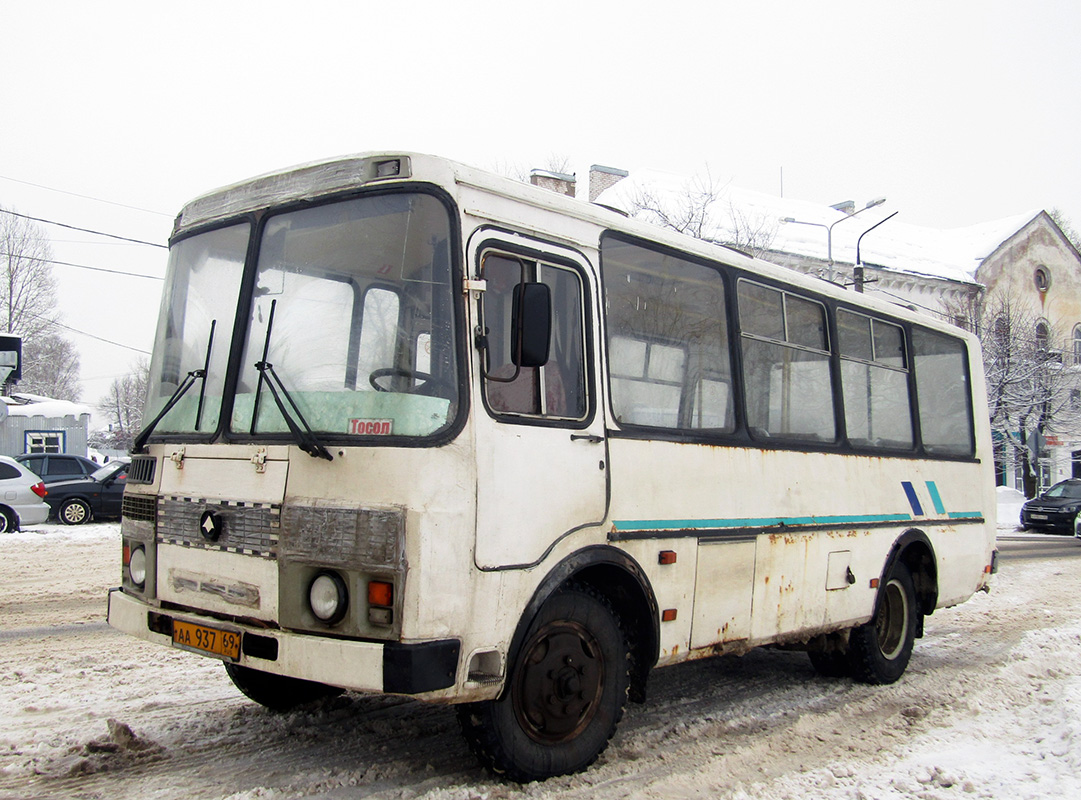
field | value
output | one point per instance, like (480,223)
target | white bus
(414,428)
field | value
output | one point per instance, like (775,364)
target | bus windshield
(351,314)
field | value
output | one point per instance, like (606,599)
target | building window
(44,441)
(1042,278)
(1077,344)
(1001,333)
(1043,336)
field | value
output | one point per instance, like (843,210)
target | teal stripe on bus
(936,498)
(752,522)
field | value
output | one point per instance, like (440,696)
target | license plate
(215,641)
(1040,516)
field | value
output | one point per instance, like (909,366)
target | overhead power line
(93,336)
(85,196)
(83,266)
(101,339)
(84,230)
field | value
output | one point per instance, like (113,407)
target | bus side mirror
(531,324)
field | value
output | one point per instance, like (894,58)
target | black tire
(277,692)
(565,693)
(74,512)
(880,650)
(8,521)
(831,663)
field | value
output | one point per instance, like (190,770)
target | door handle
(587,437)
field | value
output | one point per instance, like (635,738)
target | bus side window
(667,340)
(874,381)
(786,364)
(556,389)
(942,389)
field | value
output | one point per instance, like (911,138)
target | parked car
(96,496)
(21,496)
(53,467)
(1055,509)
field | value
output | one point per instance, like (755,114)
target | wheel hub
(557,690)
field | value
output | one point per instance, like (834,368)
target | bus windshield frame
(347,304)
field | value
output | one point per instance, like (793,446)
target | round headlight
(328,598)
(137,566)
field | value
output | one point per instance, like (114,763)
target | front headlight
(137,566)
(328,598)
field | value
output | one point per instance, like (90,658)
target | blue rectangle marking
(913,499)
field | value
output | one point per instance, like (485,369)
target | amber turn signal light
(380,593)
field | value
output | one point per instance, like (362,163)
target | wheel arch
(914,549)
(624,584)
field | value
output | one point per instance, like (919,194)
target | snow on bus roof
(953,254)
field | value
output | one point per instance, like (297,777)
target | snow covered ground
(990,708)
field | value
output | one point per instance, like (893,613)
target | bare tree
(50,367)
(123,407)
(697,211)
(1066,227)
(28,308)
(555,162)
(752,233)
(1033,384)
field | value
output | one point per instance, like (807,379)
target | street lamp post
(829,229)
(857,273)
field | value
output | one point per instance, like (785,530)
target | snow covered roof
(953,254)
(32,405)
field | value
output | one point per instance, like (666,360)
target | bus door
(542,466)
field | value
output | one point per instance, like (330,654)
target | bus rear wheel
(880,650)
(566,692)
(277,692)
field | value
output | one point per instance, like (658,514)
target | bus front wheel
(566,692)
(880,650)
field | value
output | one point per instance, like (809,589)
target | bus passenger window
(667,340)
(786,365)
(648,377)
(943,392)
(557,389)
(874,380)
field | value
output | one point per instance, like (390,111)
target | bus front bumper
(387,667)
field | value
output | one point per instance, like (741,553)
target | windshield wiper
(305,438)
(139,445)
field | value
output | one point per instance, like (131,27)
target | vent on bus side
(141,469)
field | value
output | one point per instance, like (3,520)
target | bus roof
(345,173)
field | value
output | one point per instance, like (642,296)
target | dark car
(1055,509)
(96,496)
(53,467)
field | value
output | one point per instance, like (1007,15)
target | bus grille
(141,469)
(143,508)
(247,528)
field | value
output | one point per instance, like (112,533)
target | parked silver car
(21,496)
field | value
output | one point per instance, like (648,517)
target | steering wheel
(428,384)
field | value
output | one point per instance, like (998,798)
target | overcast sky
(958,112)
